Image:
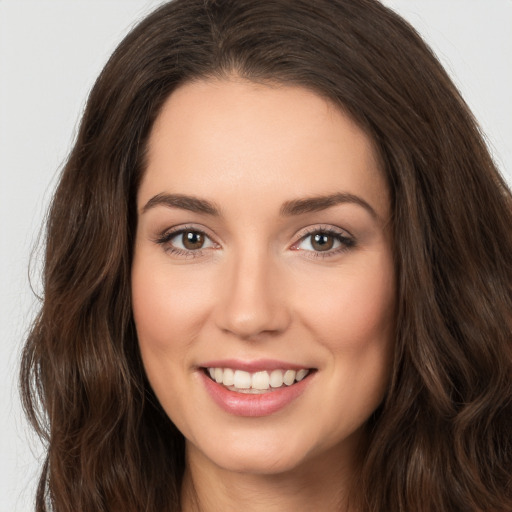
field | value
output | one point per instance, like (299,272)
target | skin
(258,288)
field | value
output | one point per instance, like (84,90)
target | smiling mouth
(260,382)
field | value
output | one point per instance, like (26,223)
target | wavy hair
(441,440)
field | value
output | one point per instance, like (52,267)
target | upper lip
(256,365)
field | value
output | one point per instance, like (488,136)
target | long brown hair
(441,440)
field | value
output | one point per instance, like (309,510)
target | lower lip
(253,405)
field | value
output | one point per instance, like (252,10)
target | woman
(277,275)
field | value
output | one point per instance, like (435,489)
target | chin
(258,454)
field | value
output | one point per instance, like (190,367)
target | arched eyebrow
(319,203)
(289,208)
(184,202)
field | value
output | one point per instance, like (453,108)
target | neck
(318,484)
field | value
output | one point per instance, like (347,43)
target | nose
(253,298)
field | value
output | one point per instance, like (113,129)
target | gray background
(50,53)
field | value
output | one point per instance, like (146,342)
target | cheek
(354,310)
(168,307)
(353,318)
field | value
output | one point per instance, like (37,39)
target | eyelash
(165,238)
(346,242)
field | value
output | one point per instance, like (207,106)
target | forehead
(228,137)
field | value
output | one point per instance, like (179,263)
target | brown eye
(325,242)
(192,240)
(322,242)
(186,242)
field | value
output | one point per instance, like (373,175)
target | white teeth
(276,378)
(301,374)
(289,377)
(260,380)
(242,380)
(239,380)
(229,377)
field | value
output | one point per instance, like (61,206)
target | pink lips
(257,365)
(252,405)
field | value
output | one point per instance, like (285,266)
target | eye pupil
(322,242)
(192,240)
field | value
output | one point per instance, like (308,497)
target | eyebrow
(184,202)
(289,208)
(318,203)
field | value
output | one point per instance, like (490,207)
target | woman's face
(263,258)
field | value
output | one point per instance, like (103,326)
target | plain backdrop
(50,54)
